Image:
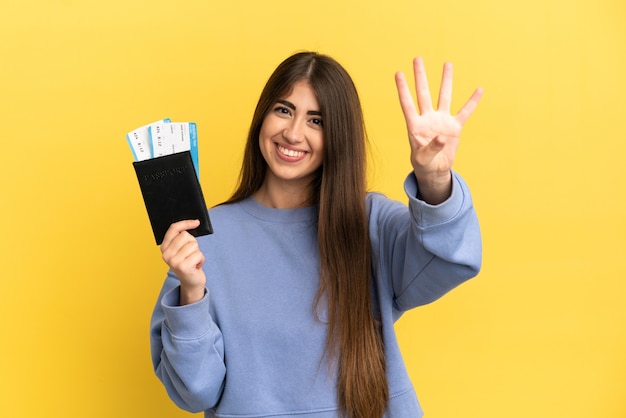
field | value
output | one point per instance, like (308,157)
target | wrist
(191,294)
(434,189)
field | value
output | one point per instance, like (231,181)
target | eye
(317,121)
(282,110)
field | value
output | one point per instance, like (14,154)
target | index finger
(176,228)
(406,99)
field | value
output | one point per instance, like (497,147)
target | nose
(294,131)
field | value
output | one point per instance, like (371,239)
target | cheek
(265,133)
(320,150)
(263,130)
(262,143)
(271,123)
(320,144)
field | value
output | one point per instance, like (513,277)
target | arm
(425,251)
(435,245)
(186,345)
(450,233)
(187,350)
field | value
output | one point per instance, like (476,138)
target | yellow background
(540,333)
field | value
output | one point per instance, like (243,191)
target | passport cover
(171,192)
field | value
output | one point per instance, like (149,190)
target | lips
(290,153)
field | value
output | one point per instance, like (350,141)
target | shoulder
(227,211)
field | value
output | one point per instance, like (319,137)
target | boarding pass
(164,137)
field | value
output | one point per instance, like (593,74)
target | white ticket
(139,141)
(164,137)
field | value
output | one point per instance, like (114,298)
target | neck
(282,195)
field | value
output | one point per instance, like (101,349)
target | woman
(288,309)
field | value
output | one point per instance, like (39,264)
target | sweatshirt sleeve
(424,251)
(187,349)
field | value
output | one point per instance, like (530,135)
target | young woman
(288,308)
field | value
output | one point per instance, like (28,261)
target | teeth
(290,153)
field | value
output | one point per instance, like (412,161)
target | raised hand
(433,134)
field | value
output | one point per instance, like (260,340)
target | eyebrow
(293,107)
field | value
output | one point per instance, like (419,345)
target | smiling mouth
(290,152)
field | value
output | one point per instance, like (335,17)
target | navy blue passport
(171,193)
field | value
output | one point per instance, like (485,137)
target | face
(292,137)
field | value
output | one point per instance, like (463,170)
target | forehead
(301,91)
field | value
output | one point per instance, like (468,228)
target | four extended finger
(445,91)
(406,99)
(469,106)
(424,101)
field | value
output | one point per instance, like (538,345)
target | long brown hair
(354,341)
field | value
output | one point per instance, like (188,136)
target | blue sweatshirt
(253,347)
